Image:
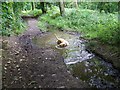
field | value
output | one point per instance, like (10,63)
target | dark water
(97,73)
(82,64)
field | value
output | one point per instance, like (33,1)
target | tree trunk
(119,11)
(33,5)
(61,6)
(119,7)
(75,4)
(43,7)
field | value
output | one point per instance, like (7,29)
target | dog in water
(61,42)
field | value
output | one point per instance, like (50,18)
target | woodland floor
(25,65)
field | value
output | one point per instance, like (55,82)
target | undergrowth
(36,12)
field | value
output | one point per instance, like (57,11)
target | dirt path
(27,66)
(32,27)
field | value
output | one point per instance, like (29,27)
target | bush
(11,22)
(54,12)
(35,13)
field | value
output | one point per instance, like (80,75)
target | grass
(89,22)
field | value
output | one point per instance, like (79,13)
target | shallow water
(83,64)
(73,53)
(97,73)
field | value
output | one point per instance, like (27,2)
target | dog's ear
(58,41)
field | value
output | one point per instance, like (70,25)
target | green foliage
(7,18)
(69,4)
(53,12)
(110,33)
(11,21)
(43,26)
(101,6)
(90,22)
(0,18)
(27,6)
(35,13)
(108,6)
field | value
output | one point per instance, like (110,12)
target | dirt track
(27,66)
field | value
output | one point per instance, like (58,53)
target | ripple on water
(97,73)
(73,53)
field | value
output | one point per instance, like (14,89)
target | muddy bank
(107,52)
(24,65)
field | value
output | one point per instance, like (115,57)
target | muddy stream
(82,64)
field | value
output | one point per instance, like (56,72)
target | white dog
(61,42)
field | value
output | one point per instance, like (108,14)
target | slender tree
(61,6)
(33,5)
(76,4)
(43,7)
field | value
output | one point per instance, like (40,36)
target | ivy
(11,21)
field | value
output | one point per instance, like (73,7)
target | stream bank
(110,53)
